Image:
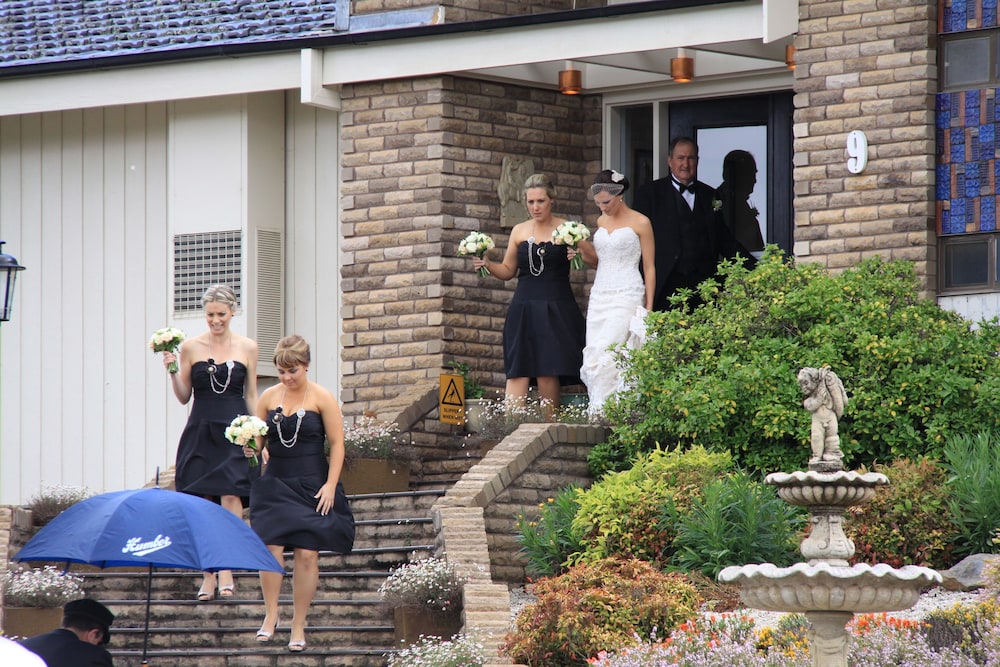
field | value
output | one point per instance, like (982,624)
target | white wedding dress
(617,292)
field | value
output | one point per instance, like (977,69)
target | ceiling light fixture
(682,67)
(570,80)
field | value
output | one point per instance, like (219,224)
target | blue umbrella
(151,527)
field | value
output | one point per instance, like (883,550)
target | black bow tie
(683,188)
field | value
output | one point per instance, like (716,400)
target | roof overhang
(615,51)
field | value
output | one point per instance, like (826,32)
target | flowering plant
(39,587)
(432,582)
(570,233)
(476,243)
(370,438)
(460,651)
(243,432)
(52,500)
(167,339)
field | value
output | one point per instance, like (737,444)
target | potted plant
(425,596)
(33,599)
(474,393)
(52,500)
(370,462)
(459,651)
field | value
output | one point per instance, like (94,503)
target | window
(969,264)
(970,60)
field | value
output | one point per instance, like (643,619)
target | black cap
(91,610)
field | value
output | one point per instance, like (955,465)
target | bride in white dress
(624,238)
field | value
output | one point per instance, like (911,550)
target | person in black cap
(86,628)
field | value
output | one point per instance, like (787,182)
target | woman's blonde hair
(540,181)
(292,351)
(220,294)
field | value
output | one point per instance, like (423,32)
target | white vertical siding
(313,238)
(83,206)
(89,202)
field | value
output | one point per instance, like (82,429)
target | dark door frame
(773,110)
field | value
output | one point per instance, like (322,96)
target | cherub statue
(825,399)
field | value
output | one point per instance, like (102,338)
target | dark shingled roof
(34,32)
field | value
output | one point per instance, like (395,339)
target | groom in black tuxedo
(690,235)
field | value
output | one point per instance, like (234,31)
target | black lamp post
(8,276)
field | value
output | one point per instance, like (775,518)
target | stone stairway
(348,625)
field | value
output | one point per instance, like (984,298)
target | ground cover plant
(723,375)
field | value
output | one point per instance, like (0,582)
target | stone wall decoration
(513,173)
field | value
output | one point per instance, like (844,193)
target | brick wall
(421,164)
(866,66)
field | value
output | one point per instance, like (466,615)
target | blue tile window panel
(989,13)
(962,15)
(968,168)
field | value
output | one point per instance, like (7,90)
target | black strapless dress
(545,332)
(207,463)
(282,501)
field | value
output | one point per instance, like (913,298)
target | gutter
(320,41)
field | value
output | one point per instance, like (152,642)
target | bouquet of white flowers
(476,243)
(167,339)
(570,233)
(243,432)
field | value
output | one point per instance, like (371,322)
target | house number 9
(857,151)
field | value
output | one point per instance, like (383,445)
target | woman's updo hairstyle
(292,351)
(220,294)
(613,177)
(540,181)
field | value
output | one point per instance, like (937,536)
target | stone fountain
(826,588)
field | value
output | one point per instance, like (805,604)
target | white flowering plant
(39,587)
(432,582)
(460,651)
(476,243)
(52,500)
(502,416)
(243,432)
(570,233)
(167,339)
(370,438)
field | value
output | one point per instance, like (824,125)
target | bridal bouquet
(243,432)
(167,339)
(476,243)
(570,233)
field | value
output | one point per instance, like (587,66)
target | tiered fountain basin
(810,587)
(839,489)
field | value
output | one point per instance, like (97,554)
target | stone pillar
(866,66)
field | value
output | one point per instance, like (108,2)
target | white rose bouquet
(476,243)
(570,233)
(243,432)
(167,339)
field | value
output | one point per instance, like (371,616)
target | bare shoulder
(639,222)
(269,398)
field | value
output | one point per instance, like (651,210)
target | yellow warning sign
(451,399)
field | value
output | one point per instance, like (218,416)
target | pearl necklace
(541,255)
(279,417)
(218,387)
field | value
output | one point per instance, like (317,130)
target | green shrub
(723,375)
(974,488)
(736,520)
(548,541)
(907,522)
(621,513)
(598,606)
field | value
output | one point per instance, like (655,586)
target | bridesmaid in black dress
(543,335)
(299,502)
(219,369)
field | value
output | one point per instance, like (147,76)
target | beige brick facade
(421,164)
(871,66)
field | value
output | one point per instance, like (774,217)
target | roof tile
(43,31)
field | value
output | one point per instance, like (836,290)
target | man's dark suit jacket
(662,204)
(62,648)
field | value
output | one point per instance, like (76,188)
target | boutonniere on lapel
(716,204)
